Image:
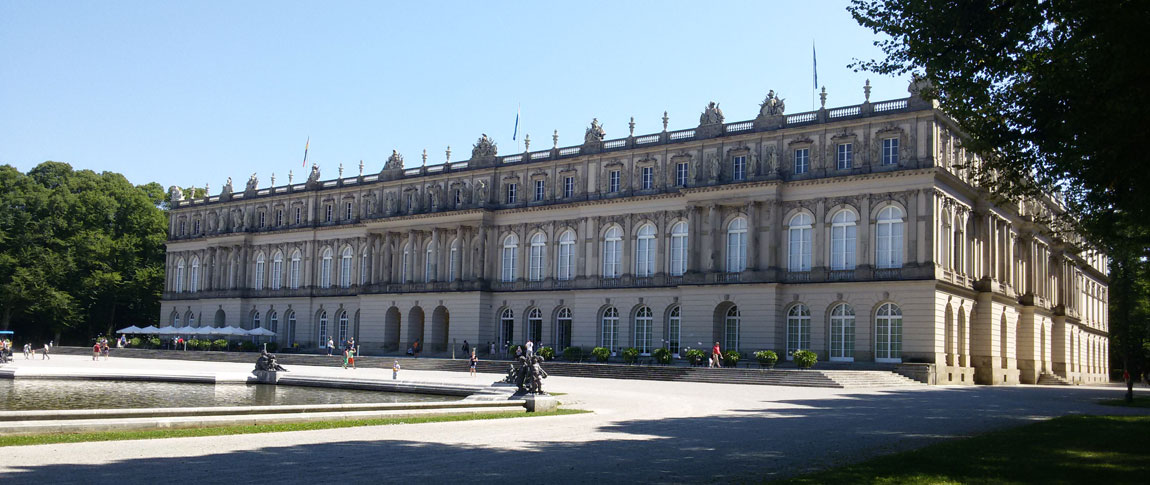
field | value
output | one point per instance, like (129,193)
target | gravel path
(640,431)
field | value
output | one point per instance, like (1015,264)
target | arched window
(679,249)
(612,254)
(510,257)
(799,243)
(565,270)
(191,319)
(798,330)
(403,272)
(888,238)
(293,274)
(645,250)
(363,268)
(507,327)
(563,329)
(538,253)
(944,242)
(610,337)
(195,283)
(737,245)
(273,325)
(843,333)
(643,324)
(255,320)
(342,328)
(673,326)
(258,283)
(325,269)
(180,276)
(323,335)
(888,333)
(731,328)
(345,268)
(429,264)
(175,319)
(535,327)
(843,240)
(453,260)
(277,270)
(290,328)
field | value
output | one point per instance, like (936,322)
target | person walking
(96,351)
(474,362)
(466,348)
(395,370)
(330,346)
(716,354)
(492,351)
(105,349)
(27,350)
(530,349)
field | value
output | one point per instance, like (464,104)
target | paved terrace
(647,431)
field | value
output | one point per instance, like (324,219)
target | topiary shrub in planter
(805,359)
(154,343)
(630,355)
(272,346)
(695,356)
(547,353)
(205,344)
(573,354)
(601,354)
(219,344)
(767,358)
(662,355)
(134,342)
(248,346)
(193,344)
(731,358)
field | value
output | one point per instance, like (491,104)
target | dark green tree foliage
(80,252)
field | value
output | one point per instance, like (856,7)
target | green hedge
(573,354)
(601,354)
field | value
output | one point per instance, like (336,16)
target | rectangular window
(261,219)
(539,190)
(512,193)
(648,178)
(568,187)
(347,212)
(802,160)
(681,171)
(327,213)
(846,156)
(613,182)
(454,262)
(298,215)
(739,168)
(279,217)
(890,151)
(458,198)
(181,228)
(196,227)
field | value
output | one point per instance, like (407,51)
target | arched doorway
(220,319)
(391,322)
(440,329)
(415,327)
(725,326)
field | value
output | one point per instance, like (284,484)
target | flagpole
(814,74)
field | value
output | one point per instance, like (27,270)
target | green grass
(1139,402)
(41,439)
(1070,449)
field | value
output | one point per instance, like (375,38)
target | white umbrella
(167,331)
(204,331)
(131,329)
(261,332)
(149,329)
(237,331)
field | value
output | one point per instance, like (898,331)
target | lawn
(1070,449)
(1139,402)
(40,439)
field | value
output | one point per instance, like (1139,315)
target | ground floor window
(843,333)
(643,324)
(563,329)
(507,328)
(798,330)
(535,327)
(673,331)
(888,333)
(323,335)
(731,329)
(610,338)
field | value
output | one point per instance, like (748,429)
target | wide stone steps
(1047,379)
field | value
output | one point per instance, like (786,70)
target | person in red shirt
(715,356)
(96,351)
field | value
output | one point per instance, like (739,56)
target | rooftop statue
(595,133)
(712,115)
(484,148)
(313,177)
(177,194)
(394,162)
(772,106)
(253,183)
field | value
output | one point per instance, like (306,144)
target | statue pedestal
(540,403)
(266,376)
(704,132)
(769,122)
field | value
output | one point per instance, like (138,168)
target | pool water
(29,394)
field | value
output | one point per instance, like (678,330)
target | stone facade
(853,232)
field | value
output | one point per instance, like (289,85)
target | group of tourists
(6,347)
(349,351)
(100,349)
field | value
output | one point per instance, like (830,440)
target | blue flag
(815,64)
(516,132)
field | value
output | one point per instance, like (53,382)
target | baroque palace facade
(853,232)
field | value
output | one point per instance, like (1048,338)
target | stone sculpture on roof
(394,162)
(177,194)
(253,183)
(313,177)
(484,149)
(772,105)
(712,115)
(595,133)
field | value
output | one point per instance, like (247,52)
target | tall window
(568,187)
(327,212)
(279,217)
(563,329)
(277,270)
(196,226)
(273,325)
(537,256)
(325,269)
(799,243)
(802,160)
(731,328)
(428,265)
(565,270)
(737,245)
(739,168)
(259,276)
(843,240)
(458,198)
(845,155)
(342,335)
(363,269)
(347,215)
(453,260)
(645,251)
(291,327)
(798,330)
(255,320)
(323,335)
(512,193)
(298,215)
(681,171)
(506,326)
(293,277)
(613,181)
(679,249)
(610,336)
(673,331)
(261,219)
(535,327)
(182,224)
(888,333)
(191,319)
(180,276)
(643,324)
(510,254)
(540,190)
(890,151)
(647,178)
(195,284)
(403,271)
(888,236)
(612,242)
(843,333)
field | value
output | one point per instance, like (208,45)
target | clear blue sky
(191,93)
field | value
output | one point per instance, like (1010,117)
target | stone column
(435,255)
(708,236)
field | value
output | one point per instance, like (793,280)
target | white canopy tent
(149,329)
(129,330)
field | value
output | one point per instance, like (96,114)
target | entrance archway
(440,329)
(415,328)
(391,329)
(220,318)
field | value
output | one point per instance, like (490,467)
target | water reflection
(21,394)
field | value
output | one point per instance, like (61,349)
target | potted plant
(573,354)
(547,353)
(731,358)
(767,358)
(662,355)
(601,354)
(630,355)
(805,359)
(695,357)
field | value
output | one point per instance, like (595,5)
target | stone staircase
(1048,379)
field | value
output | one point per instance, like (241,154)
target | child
(395,370)
(474,361)
(349,357)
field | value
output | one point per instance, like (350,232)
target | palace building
(855,232)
